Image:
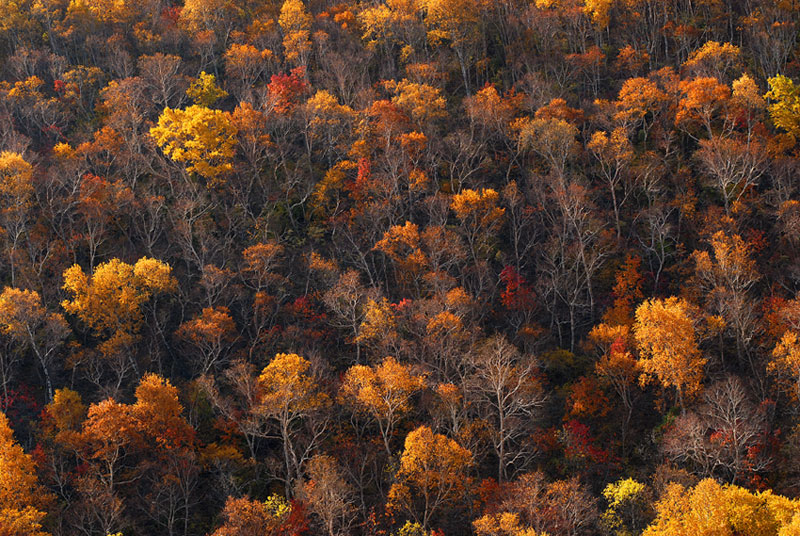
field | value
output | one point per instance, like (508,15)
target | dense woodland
(399,268)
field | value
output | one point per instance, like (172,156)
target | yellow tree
(481,218)
(726,277)
(21,497)
(202,139)
(784,106)
(614,154)
(502,524)
(457,22)
(628,503)
(402,244)
(552,138)
(288,393)
(204,91)
(668,350)
(712,509)
(422,102)
(785,361)
(433,475)
(110,300)
(383,391)
(27,322)
(16,191)
(295,22)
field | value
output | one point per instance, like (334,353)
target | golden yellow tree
(16,192)
(480,216)
(21,496)
(288,393)
(202,139)
(784,106)
(713,509)
(27,322)
(457,22)
(110,300)
(433,475)
(204,90)
(668,348)
(422,102)
(501,524)
(383,391)
(785,362)
(295,22)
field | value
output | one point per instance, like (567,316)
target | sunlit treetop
(202,139)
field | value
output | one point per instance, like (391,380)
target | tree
(618,367)
(22,498)
(204,91)
(122,445)
(347,299)
(735,166)
(614,154)
(726,282)
(502,524)
(244,65)
(211,333)
(27,322)
(16,192)
(628,505)
(725,437)
(202,139)
(273,517)
(402,244)
(288,394)
(110,300)
(295,22)
(785,361)
(458,22)
(432,475)
(329,495)
(509,395)
(638,103)
(100,203)
(383,391)
(480,218)
(552,138)
(702,100)
(423,103)
(713,509)
(667,343)
(784,107)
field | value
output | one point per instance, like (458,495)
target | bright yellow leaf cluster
(665,334)
(713,509)
(201,138)
(295,22)
(21,496)
(422,102)
(110,300)
(382,390)
(287,388)
(204,91)
(784,107)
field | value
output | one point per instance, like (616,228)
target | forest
(399,268)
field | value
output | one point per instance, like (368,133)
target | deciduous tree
(667,341)
(432,476)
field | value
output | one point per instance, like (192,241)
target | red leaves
(287,89)
(517,295)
